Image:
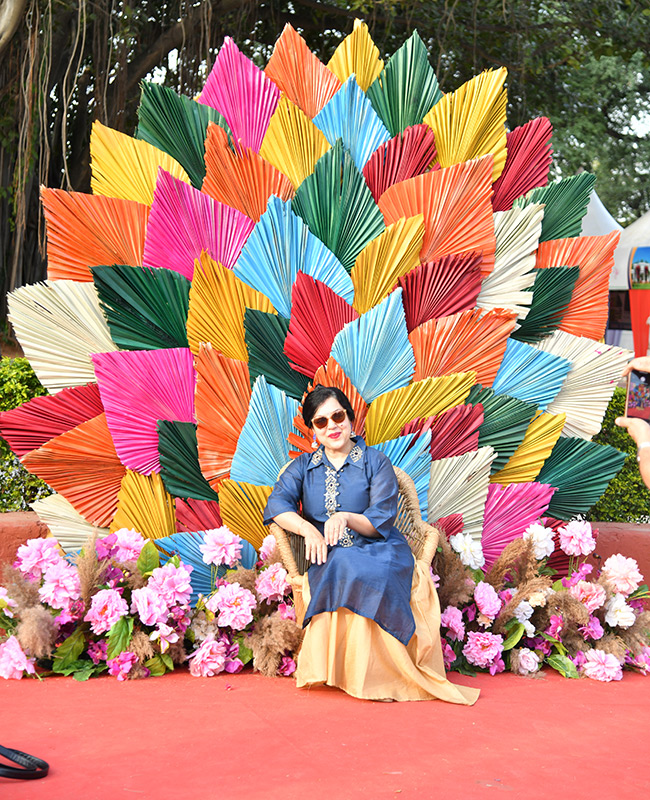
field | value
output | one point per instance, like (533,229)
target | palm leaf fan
(40,419)
(197,515)
(459,485)
(146,309)
(239,177)
(523,374)
(178,126)
(293,144)
(139,387)
(304,79)
(265,337)
(528,160)
(263,449)
(580,471)
(82,465)
(357,55)
(242,509)
(179,461)
(85,230)
(453,432)
(551,297)
(525,463)
(585,394)
(469,340)
(565,204)
(317,315)
(218,300)
(505,422)
(374,351)
(440,288)
(66,524)
(144,505)
(127,168)
(411,454)
(509,510)
(456,207)
(279,246)
(349,116)
(404,156)
(587,312)
(386,259)
(184,222)
(222,399)
(406,88)
(389,413)
(242,93)
(471,122)
(517,235)
(331,374)
(59,324)
(337,206)
(302,440)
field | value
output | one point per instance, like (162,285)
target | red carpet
(246,736)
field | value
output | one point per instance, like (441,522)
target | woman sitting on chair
(373,618)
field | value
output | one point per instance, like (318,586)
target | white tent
(597,222)
(635,235)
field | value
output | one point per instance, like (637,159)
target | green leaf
(563,665)
(69,651)
(149,559)
(119,637)
(156,666)
(515,636)
(84,674)
(175,560)
(245,654)
(167,661)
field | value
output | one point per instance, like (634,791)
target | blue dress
(369,576)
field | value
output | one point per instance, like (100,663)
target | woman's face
(335,435)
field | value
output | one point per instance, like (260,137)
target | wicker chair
(422,537)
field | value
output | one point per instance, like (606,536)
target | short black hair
(318,396)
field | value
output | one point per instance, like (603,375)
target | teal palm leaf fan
(565,204)
(179,461)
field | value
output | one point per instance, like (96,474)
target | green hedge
(18,383)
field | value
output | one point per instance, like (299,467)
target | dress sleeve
(287,491)
(383,496)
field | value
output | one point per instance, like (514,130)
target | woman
(373,621)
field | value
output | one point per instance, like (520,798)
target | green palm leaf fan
(179,461)
(565,204)
(551,297)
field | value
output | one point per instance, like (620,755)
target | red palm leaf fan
(453,433)
(197,515)
(527,163)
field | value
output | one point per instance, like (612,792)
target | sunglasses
(321,422)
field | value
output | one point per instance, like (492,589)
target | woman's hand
(638,429)
(642,364)
(315,544)
(335,527)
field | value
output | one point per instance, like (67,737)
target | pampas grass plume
(37,631)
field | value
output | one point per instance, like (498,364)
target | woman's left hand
(335,527)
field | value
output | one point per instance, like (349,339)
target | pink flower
(435,578)
(6,603)
(576,538)
(601,666)
(121,666)
(221,546)
(286,611)
(452,618)
(498,665)
(448,654)
(641,660)
(61,587)
(234,604)
(577,575)
(555,626)
(149,605)
(506,595)
(233,665)
(482,648)
(172,583)
(166,635)
(72,612)
(129,544)
(97,651)
(268,546)
(287,666)
(487,599)
(579,659)
(36,555)
(622,573)
(13,661)
(591,595)
(209,659)
(528,661)
(271,584)
(106,608)
(593,629)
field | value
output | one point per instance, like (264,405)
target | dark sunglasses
(321,422)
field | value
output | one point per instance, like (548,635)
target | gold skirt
(352,652)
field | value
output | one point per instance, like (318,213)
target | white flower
(619,613)
(542,539)
(523,613)
(469,550)
(528,661)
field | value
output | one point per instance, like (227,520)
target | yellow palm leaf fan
(384,260)
(389,413)
(222,397)
(242,509)
(471,122)
(292,143)
(218,302)
(525,463)
(145,506)
(357,55)
(64,522)
(125,167)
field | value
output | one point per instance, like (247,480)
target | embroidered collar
(354,457)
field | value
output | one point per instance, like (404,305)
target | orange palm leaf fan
(453,433)
(222,397)
(469,340)
(456,207)
(331,374)
(240,177)
(304,79)
(527,163)
(89,230)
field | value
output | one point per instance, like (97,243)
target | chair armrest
(428,536)
(284,546)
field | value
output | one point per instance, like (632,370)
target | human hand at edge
(642,364)
(638,429)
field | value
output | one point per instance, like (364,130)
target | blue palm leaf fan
(349,116)
(526,376)
(411,453)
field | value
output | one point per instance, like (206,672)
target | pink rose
(528,661)
(209,659)
(36,555)
(601,666)
(271,584)
(149,605)
(234,604)
(268,546)
(452,618)
(128,545)
(622,573)
(482,648)
(591,595)
(13,661)
(106,608)
(221,546)
(487,599)
(172,583)
(121,666)
(576,538)
(61,586)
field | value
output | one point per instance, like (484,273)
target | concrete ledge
(16,528)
